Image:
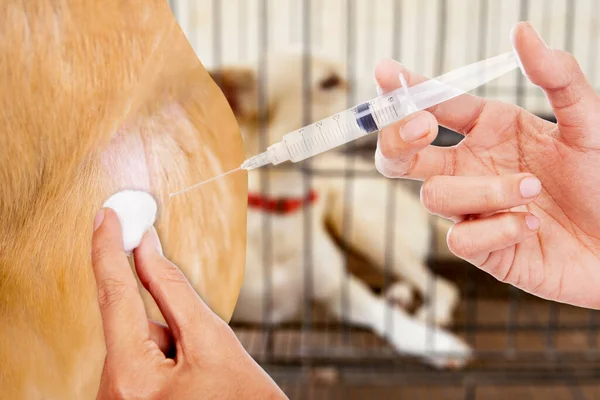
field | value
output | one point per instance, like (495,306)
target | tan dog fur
(99,97)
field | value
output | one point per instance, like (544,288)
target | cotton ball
(137,212)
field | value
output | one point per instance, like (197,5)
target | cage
(524,347)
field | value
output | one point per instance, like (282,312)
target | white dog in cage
(282,198)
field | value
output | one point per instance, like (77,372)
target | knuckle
(170,273)
(100,254)
(493,195)
(165,273)
(460,245)
(512,229)
(427,192)
(434,196)
(570,60)
(110,292)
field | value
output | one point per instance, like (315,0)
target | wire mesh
(520,341)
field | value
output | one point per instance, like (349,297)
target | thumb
(573,99)
(123,315)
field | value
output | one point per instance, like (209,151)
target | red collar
(282,205)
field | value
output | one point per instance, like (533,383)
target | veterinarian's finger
(573,99)
(474,240)
(403,149)
(450,196)
(123,315)
(160,334)
(174,296)
(458,114)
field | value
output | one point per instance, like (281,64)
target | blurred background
(526,348)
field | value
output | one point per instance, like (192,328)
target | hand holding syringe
(376,114)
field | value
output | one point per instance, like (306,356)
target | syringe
(382,111)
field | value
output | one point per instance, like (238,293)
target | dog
(98,97)
(282,193)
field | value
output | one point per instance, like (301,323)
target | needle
(205,182)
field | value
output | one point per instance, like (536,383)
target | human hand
(196,356)
(524,193)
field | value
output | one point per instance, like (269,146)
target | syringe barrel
(278,153)
(345,126)
(385,110)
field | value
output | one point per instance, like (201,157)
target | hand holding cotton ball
(137,213)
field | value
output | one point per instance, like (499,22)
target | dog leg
(407,335)
(350,300)
(440,296)
(410,240)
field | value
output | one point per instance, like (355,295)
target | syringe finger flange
(411,107)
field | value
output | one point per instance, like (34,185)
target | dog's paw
(400,293)
(448,351)
(436,346)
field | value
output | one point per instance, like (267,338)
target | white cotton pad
(137,213)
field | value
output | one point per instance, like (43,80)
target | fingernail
(519,62)
(530,187)
(515,52)
(98,220)
(415,129)
(532,222)
(155,240)
(379,90)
